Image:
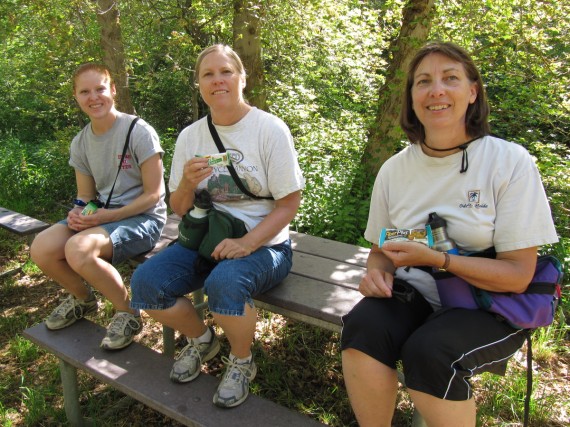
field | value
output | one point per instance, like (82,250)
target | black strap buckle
(403,291)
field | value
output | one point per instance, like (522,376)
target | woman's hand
(195,171)
(379,276)
(376,283)
(411,254)
(510,271)
(231,248)
(78,222)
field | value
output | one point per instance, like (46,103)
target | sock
(241,361)
(206,337)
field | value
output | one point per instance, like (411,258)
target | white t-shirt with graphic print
(262,152)
(499,201)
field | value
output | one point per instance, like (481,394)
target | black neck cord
(463,147)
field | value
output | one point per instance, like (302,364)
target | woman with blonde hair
(261,149)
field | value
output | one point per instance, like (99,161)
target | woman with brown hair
(490,193)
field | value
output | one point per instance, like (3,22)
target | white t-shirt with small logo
(499,201)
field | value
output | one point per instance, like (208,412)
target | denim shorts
(161,280)
(131,236)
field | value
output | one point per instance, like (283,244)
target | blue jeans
(161,280)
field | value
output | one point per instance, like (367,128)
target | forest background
(330,69)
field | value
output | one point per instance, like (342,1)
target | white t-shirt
(98,156)
(262,152)
(499,201)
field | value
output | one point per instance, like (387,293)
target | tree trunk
(247,43)
(114,52)
(386,133)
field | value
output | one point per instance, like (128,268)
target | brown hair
(222,48)
(477,116)
(92,66)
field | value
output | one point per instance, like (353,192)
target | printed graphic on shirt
(474,200)
(222,186)
(126,161)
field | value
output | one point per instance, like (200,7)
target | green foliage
(37,408)
(324,62)
(23,350)
(554,166)
(39,175)
(324,83)
(163,40)
(522,51)
(5,415)
(43,42)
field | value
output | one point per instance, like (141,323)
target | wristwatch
(79,203)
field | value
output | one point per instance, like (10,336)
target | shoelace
(234,369)
(191,350)
(120,320)
(69,303)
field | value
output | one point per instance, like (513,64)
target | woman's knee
(79,252)
(421,352)
(220,289)
(145,279)
(49,245)
(365,319)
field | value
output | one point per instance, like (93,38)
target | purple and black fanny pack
(531,309)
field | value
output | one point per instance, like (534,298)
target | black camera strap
(126,146)
(231,168)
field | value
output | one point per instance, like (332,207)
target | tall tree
(385,134)
(114,51)
(247,43)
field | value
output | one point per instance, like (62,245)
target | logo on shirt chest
(473,200)
(126,162)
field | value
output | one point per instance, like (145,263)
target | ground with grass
(299,367)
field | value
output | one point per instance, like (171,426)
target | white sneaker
(121,331)
(189,362)
(234,387)
(70,311)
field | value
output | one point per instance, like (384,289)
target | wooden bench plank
(311,301)
(334,272)
(326,248)
(20,224)
(128,371)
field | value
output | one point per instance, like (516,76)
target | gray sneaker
(121,331)
(234,387)
(189,361)
(69,311)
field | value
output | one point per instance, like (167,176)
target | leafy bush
(38,175)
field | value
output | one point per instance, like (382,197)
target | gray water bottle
(441,241)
